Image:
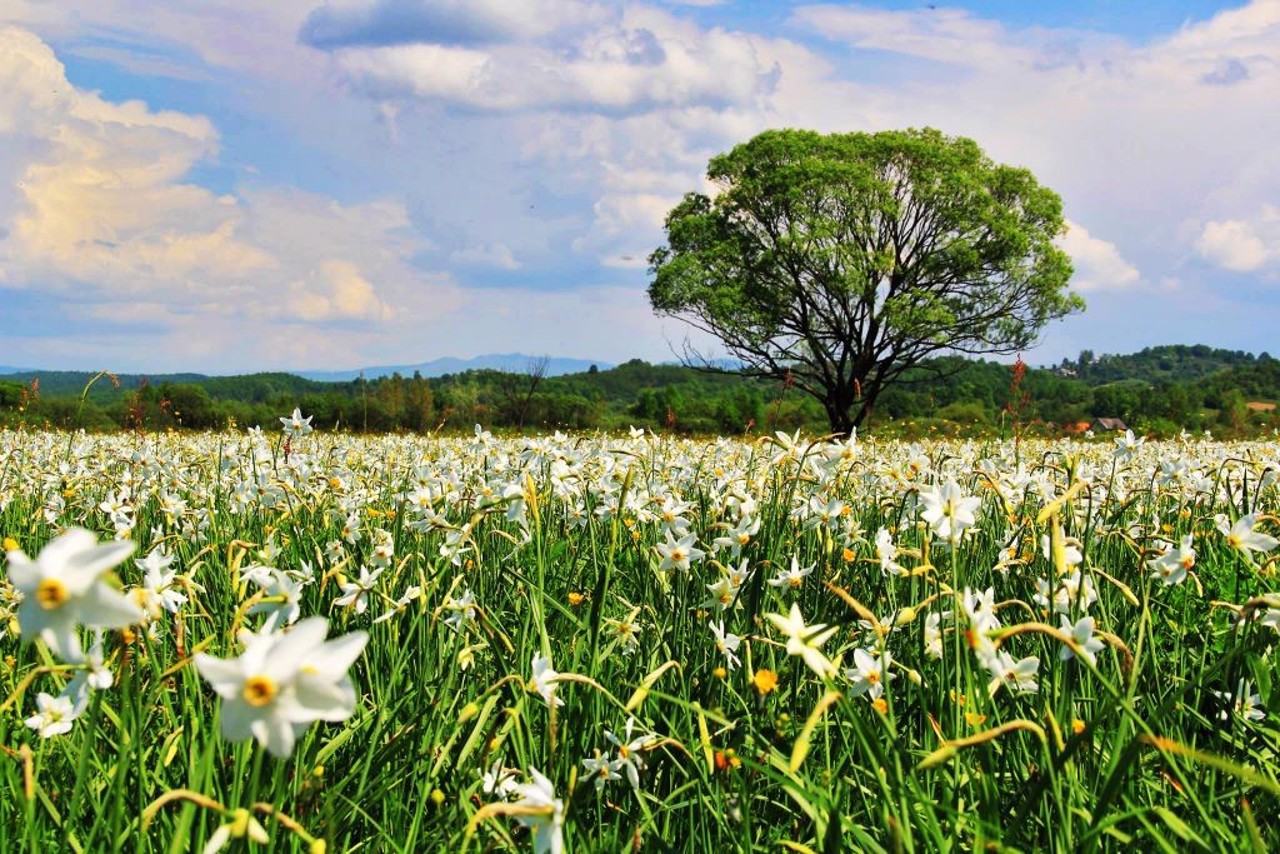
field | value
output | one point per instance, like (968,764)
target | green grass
(1132,753)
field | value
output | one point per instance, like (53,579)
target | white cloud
(933,34)
(457,21)
(1098,263)
(644,59)
(1242,245)
(497,255)
(104,214)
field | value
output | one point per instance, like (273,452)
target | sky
(234,185)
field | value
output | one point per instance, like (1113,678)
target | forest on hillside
(1160,391)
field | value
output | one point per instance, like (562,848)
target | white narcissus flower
(887,554)
(66,586)
(629,751)
(980,608)
(54,715)
(1243,538)
(1244,702)
(1019,675)
(678,554)
(869,673)
(544,679)
(1082,634)
(1172,566)
(948,511)
(1127,446)
(727,644)
(542,812)
(933,635)
(295,424)
(283,682)
(793,577)
(157,592)
(804,640)
(601,769)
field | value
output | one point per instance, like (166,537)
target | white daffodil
(544,679)
(887,554)
(1127,446)
(1243,703)
(933,635)
(499,780)
(804,640)
(869,673)
(793,577)
(54,715)
(355,594)
(542,812)
(948,511)
(601,769)
(630,749)
(1172,567)
(724,595)
(1082,634)
(980,608)
(281,599)
(679,554)
(727,644)
(66,586)
(295,424)
(1243,538)
(283,682)
(1019,675)
(157,592)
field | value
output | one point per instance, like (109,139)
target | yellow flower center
(260,690)
(52,594)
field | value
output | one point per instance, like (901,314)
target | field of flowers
(291,641)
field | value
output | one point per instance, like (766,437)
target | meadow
(303,641)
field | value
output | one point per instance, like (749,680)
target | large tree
(838,262)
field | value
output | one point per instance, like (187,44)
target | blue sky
(233,186)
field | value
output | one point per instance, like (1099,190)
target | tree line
(1159,390)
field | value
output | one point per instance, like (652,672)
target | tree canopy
(838,262)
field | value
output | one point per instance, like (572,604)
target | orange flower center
(259,690)
(52,594)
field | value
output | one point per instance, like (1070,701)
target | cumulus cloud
(104,214)
(631,60)
(385,22)
(1242,245)
(1098,263)
(497,255)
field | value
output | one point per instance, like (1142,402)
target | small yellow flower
(720,673)
(576,598)
(437,797)
(1077,726)
(10,544)
(765,681)
(847,555)
(880,704)
(974,719)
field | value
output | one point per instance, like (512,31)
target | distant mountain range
(59,381)
(509,362)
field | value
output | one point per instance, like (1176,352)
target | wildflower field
(295,641)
